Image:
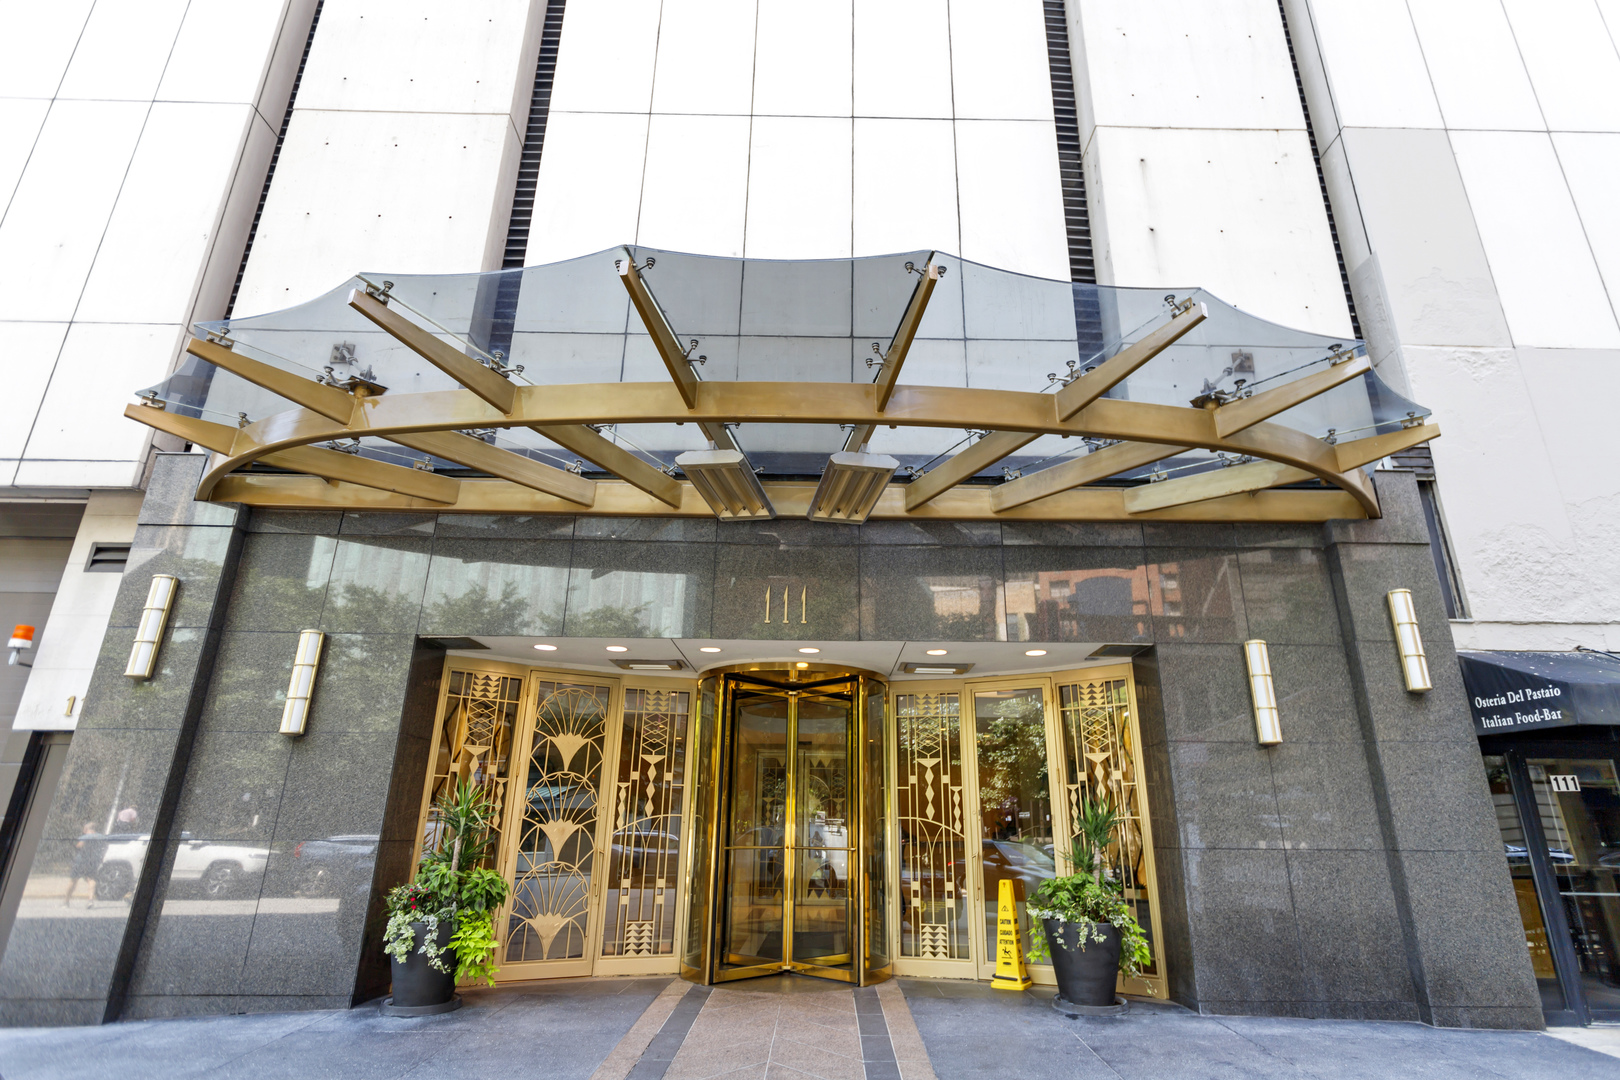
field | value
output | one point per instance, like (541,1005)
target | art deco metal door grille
(933,827)
(473,743)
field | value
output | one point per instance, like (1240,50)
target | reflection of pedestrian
(88,852)
(128,818)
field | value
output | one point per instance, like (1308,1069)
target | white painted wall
(1470,148)
(134,136)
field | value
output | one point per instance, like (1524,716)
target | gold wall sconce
(1409,642)
(1267,727)
(305,663)
(149,631)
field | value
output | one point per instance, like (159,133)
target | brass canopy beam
(970,462)
(904,334)
(615,459)
(1234,416)
(329,401)
(668,345)
(1113,371)
(485,382)
(478,454)
(1097,465)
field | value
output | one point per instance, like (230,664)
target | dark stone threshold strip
(877,1051)
(667,1043)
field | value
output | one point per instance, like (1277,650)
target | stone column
(70,963)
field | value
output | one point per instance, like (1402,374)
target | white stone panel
(164,223)
(28,352)
(804,59)
(705,57)
(49,236)
(1237,212)
(1412,204)
(417,56)
(1539,255)
(1000,67)
(124,48)
(1572,61)
(70,640)
(1475,66)
(1011,196)
(606,57)
(37,45)
(100,368)
(799,194)
(1591,162)
(1572,394)
(20,121)
(413,193)
(589,193)
(1370,50)
(905,197)
(225,47)
(902,58)
(1188,63)
(694,194)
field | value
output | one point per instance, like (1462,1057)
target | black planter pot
(1085,976)
(420,988)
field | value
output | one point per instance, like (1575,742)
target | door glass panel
(475,743)
(1579,802)
(1015,807)
(644,855)
(556,847)
(933,827)
(755,870)
(874,855)
(697,899)
(1100,767)
(1524,886)
(821,879)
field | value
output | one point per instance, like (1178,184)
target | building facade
(1421,178)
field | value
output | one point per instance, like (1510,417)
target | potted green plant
(441,926)
(1083,925)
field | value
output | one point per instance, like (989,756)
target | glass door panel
(933,827)
(1517,849)
(1015,806)
(755,869)
(554,862)
(821,926)
(1579,804)
(696,960)
(874,831)
(643,856)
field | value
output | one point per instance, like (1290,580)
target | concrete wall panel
(799,187)
(1475,65)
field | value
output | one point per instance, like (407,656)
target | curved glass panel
(803,321)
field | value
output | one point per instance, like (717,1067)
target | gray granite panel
(1205,693)
(307,926)
(1076,594)
(1349,933)
(233,787)
(63,952)
(1470,938)
(197,942)
(499,587)
(50,1012)
(1508,1018)
(1254,535)
(627,588)
(1367,572)
(929,593)
(335,784)
(194,555)
(170,491)
(249,687)
(1196,595)
(1173,940)
(1402,521)
(377,585)
(693,530)
(107,773)
(821,587)
(114,701)
(940,533)
(786,533)
(1072,533)
(1287,596)
(1243,927)
(1438,797)
(320,522)
(1395,713)
(1187,534)
(281,582)
(1325,796)
(368,523)
(362,683)
(506,526)
(1224,795)
(1314,695)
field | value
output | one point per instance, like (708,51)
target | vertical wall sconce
(305,663)
(154,617)
(1414,664)
(1266,725)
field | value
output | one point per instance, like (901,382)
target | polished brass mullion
(790,846)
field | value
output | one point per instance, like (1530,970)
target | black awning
(1525,691)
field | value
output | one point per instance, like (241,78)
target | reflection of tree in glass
(610,622)
(476,611)
(1012,756)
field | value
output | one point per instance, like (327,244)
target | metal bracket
(381,295)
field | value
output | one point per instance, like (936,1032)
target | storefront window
(1524,886)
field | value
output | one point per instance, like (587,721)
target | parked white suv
(219,868)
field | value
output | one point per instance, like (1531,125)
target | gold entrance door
(793,839)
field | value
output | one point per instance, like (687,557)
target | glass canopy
(809,322)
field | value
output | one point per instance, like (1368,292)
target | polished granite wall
(1292,881)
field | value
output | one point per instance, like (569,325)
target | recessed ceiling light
(810,650)
(802,664)
(618,648)
(936,652)
(1034,652)
(546,648)
(709,648)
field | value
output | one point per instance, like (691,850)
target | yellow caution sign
(1010,973)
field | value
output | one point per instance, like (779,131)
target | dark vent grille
(534,140)
(107,558)
(1416,459)
(1321,179)
(275,156)
(1081,267)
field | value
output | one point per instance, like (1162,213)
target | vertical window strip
(534,139)
(1082,269)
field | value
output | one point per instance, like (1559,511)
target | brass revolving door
(788,864)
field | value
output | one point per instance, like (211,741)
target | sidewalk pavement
(614,1029)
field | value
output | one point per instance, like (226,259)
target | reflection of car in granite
(218,869)
(1520,853)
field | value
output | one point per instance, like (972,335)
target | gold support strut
(668,346)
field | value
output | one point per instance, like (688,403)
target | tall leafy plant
(1088,898)
(452,885)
